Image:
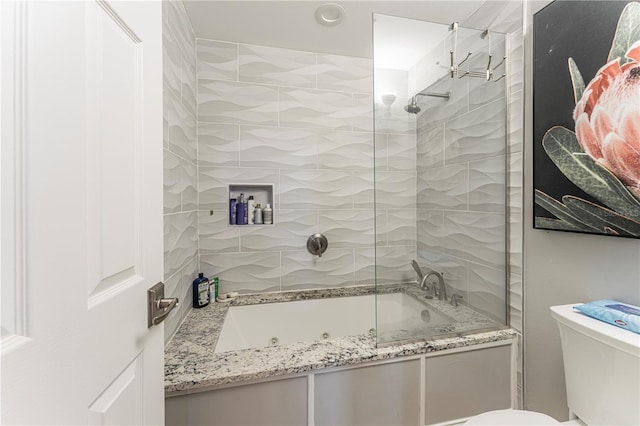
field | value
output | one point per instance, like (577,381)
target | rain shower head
(413,107)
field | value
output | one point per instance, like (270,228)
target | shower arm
(446,95)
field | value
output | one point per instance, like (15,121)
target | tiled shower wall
(447,193)
(395,164)
(462,179)
(180,166)
(507,17)
(303,122)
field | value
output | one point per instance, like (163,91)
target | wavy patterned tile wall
(302,271)
(506,17)
(514,178)
(230,102)
(345,150)
(218,144)
(464,132)
(278,148)
(180,163)
(250,272)
(302,121)
(384,265)
(270,65)
(237,113)
(461,184)
(290,233)
(466,238)
(455,270)
(487,182)
(344,73)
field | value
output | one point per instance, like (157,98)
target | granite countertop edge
(191,364)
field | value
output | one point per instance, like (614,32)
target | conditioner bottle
(257,216)
(251,206)
(267,215)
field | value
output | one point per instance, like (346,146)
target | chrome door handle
(167,303)
(158,307)
(164,305)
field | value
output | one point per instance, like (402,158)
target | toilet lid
(512,417)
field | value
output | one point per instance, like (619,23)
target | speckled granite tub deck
(191,364)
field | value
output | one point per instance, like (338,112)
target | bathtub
(225,353)
(270,324)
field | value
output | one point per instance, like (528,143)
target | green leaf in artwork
(561,211)
(627,32)
(576,80)
(618,197)
(564,137)
(556,224)
(600,218)
(563,149)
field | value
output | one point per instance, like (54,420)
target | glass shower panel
(440,178)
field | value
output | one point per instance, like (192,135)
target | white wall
(562,268)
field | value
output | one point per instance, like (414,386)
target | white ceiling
(400,43)
(291,24)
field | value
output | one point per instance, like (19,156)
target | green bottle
(213,289)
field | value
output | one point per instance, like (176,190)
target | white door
(81,212)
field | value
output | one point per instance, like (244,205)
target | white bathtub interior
(260,325)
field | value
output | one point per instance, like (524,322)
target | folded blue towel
(617,313)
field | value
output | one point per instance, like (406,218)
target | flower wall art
(587,117)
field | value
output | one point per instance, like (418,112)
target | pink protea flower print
(607,118)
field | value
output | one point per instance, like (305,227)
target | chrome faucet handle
(317,244)
(455,298)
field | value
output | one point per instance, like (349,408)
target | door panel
(121,402)
(114,173)
(92,213)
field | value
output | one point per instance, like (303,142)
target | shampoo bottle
(267,215)
(232,211)
(257,216)
(200,291)
(251,206)
(241,210)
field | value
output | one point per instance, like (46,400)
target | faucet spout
(439,289)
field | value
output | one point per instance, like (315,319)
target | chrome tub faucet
(439,289)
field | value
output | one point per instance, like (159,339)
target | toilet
(601,367)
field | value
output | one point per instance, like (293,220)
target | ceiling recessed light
(329,14)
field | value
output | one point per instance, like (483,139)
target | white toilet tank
(601,367)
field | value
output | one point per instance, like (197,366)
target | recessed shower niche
(262,196)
